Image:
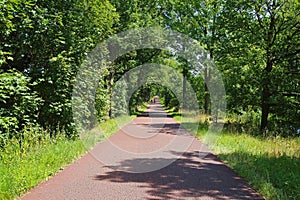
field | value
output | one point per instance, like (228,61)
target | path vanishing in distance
(149,142)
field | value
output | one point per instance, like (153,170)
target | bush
(243,122)
(19,105)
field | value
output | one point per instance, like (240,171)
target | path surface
(148,144)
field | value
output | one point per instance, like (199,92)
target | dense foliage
(46,41)
(254,44)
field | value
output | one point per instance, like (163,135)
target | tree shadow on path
(187,177)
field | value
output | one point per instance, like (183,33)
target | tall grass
(269,163)
(35,157)
(26,162)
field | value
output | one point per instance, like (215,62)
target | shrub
(19,105)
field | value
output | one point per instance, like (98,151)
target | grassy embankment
(271,165)
(39,157)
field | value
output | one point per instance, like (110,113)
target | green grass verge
(105,130)
(111,126)
(270,165)
(19,173)
(140,109)
(39,157)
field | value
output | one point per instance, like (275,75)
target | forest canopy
(255,46)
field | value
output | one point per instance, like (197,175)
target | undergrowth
(269,163)
(26,162)
(35,157)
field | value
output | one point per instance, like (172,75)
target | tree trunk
(207,78)
(266,94)
(206,100)
(184,87)
(207,75)
(265,106)
(110,87)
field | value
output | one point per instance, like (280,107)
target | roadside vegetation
(25,163)
(254,46)
(37,156)
(270,164)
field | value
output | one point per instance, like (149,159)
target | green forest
(255,45)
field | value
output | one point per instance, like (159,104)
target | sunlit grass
(22,170)
(39,157)
(142,108)
(271,165)
(113,125)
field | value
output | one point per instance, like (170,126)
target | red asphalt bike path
(152,157)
